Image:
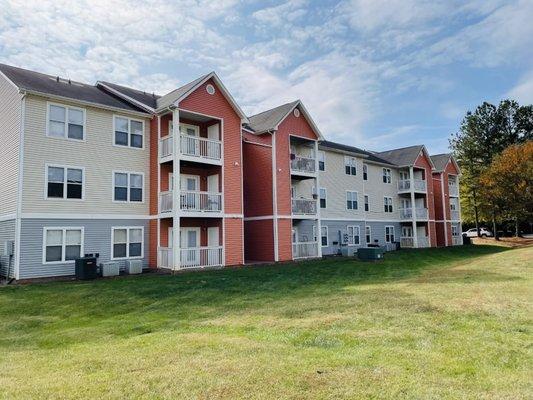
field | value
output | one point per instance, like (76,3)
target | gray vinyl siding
(10,116)
(305,229)
(7,232)
(97,239)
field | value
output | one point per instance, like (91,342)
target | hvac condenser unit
(134,267)
(110,269)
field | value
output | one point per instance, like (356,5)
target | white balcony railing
(200,257)
(195,146)
(303,164)
(453,190)
(165,258)
(166,144)
(407,242)
(303,207)
(165,202)
(200,201)
(407,213)
(405,185)
(304,249)
(423,241)
(457,240)
(455,215)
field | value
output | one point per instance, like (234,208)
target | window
(64,182)
(386,175)
(128,187)
(321,161)
(350,165)
(388,204)
(368,234)
(365,172)
(351,200)
(127,242)
(322,196)
(455,230)
(62,245)
(324,236)
(353,235)
(129,132)
(66,122)
(367,205)
(389,234)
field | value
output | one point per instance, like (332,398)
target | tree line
(494,149)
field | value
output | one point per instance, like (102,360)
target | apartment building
(187,180)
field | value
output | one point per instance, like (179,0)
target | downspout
(274,196)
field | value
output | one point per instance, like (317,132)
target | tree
(484,134)
(508,182)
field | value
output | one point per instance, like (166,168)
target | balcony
(192,201)
(197,257)
(304,250)
(405,185)
(406,214)
(455,215)
(192,148)
(408,242)
(453,190)
(303,165)
(304,207)
(457,240)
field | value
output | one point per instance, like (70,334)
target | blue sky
(373,73)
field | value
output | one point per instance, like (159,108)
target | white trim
(64,230)
(444,208)
(20,182)
(86,216)
(384,174)
(350,162)
(369,227)
(195,127)
(327,236)
(8,217)
(363,220)
(125,97)
(260,218)
(129,146)
(128,201)
(353,234)
(393,233)
(128,228)
(65,181)
(346,201)
(391,205)
(275,197)
(66,107)
(9,81)
(257,144)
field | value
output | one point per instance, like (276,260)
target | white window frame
(63,245)
(391,229)
(352,163)
(128,146)
(321,158)
(352,201)
(65,167)
(369,234)
(327,236)
(185,126)
(387,201)
(366,199)
(66,107)
(128,228)
(325,198)
(365,172)
(456,228)
(351,238)
(128,188)
(387,174)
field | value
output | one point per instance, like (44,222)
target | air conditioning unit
(134,267)
(110,269)
(9,248)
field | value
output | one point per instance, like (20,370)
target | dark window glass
(321,165)
(121,194)
(366,206)
(119,250)
(121,138)
(53,253)
(74,191)
(135,249)
(349,204)
(55,190)
(72,252)
(324,240)
(354,171)
(136,194)
(136,141)
(75,131)
(322,203)
(365,176)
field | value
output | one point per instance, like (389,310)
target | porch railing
(165,257)
(407,242)
(423,241)
(201,147)
(165,201)
(457,240)
(453,190)
(405,185)
(304,249)
(200,257)
(196,201)
(303,164)
(407,213)
(455,215)
(166,145)
(304,207)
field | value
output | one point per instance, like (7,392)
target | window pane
(136,127)
(119,250)
(75,131)
(74,191)
(72,252)
(136,195)
(57,113)
(120,236)
(74,175)
(57,129)
(136,235)
(121,125)
(121,194)
(55,190)
(136,181)
(75,116)
(136,141)
(53,253)
(121,138)
(54,237)
(121,180)
(56,174)
(135,249)
(73,237)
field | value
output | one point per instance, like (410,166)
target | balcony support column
(460,225)
(158,187)
(176,190)
(318,219)
(413,206)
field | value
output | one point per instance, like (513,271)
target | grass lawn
(427,324)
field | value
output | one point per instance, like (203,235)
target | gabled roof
(402,157)
(441,160)
(326,144)
(270,120)
(170,98)
(42,84)
(138,97)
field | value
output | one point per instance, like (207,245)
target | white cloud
(523,91)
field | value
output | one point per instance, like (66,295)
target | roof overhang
(124,97)
(306,115)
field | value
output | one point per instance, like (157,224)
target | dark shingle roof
(148,99)
(268,120)
(401,157)
(351,149)
(47,84)
(440,161)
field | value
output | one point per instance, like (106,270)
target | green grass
(428,324)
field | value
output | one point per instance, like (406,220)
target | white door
(406,203)
(213,243)
(189,142)
(190,185)
(170,181)
(213,201)
(407,231)
(213,132)
(190,246)
(170,237)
